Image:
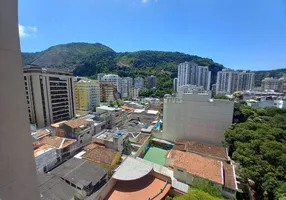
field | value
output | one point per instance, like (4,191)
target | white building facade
(196,117)
(229,81)
(190,73)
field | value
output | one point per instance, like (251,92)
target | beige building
(49,95)
(107,91)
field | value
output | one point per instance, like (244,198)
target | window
(180,170)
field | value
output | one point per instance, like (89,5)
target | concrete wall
(106,189)
(141,151)
(194,117)
(17,165)
(47,160)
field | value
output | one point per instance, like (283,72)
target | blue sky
(240,34)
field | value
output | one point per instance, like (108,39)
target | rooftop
(110,134)
(80,172)
(42,149)
(101,155)
(127,108)
(107,108)
(57,142)
(76,123)
(131,169)
(140,189)
(198,165)
(40,133)
(229,176)
(53,187)
(201,148)
(92,146)
(152,112)
(56,125)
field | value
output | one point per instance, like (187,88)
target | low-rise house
(45,157)
(37,135)
(145,116)
(84,176)
(65,147)
(52,187)
(115,140)
(189,166)
(105,157)
(118,115)
(204,149)
(78,129)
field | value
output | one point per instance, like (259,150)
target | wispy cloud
(26,31)
(144,1)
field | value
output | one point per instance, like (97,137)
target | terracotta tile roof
(101,155)
(140,189)
(127,108)
(41,149)
(75,123)
(56,125)
(41,133)
(201,148)
(198,165)
(229,179)
(56,142)
(92,146)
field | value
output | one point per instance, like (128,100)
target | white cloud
(26,31)
(144,1)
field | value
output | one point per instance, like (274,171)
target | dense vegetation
(200,190)
(90,59)
(258,143)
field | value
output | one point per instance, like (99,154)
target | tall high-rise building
(87,94)
(115,79)
(139,82)
(127,86)
(190,73)
(229,81)
(100,75)
(49,95)
(107,91)
(175,84)
(204,77)
(151,82)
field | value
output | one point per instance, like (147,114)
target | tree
(204,185)
(196,194)
(258,143)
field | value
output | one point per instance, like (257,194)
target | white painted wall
(195,117)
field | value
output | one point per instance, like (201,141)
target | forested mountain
(89,59)
(86,59)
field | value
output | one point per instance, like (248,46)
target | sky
(240,34)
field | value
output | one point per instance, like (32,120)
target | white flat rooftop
(138,110)
(108,108)
(152,112)
(131,169)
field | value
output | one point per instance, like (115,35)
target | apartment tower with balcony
(49,95)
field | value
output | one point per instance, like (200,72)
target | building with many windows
(115,79)
(49,95)
(127,86)
(139,82)
(190,73)
(275,84)
(87,94)
(229,81)
(107,91)
(151,82)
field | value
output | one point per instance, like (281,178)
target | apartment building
(139,82)
(127,87)
(115,79)
(175,84)
(87,94)
(49,95)
(229,81)
(270,83)
(151,82)
(107,91)
(196,117)
(190,73)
